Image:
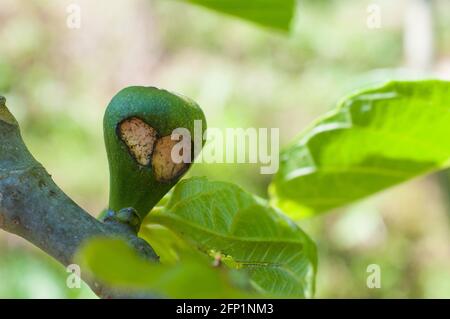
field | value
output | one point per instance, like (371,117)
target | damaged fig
(138,125)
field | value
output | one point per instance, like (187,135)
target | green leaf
(113,262)
(375,139)
(220,218)
(276,14)
(167,245)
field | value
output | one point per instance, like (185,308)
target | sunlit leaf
(375,139)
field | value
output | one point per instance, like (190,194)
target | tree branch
(33,207)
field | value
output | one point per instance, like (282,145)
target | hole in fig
(139,137)
(164,168)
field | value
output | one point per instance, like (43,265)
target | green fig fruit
(138,126)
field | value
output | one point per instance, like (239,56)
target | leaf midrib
(155,218)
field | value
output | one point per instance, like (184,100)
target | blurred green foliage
(58,81)
(193,278)
(31,274)
(275,14)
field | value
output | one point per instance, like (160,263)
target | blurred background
(58,81)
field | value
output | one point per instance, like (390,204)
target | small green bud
(127,216)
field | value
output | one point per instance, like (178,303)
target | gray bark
(33,207)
